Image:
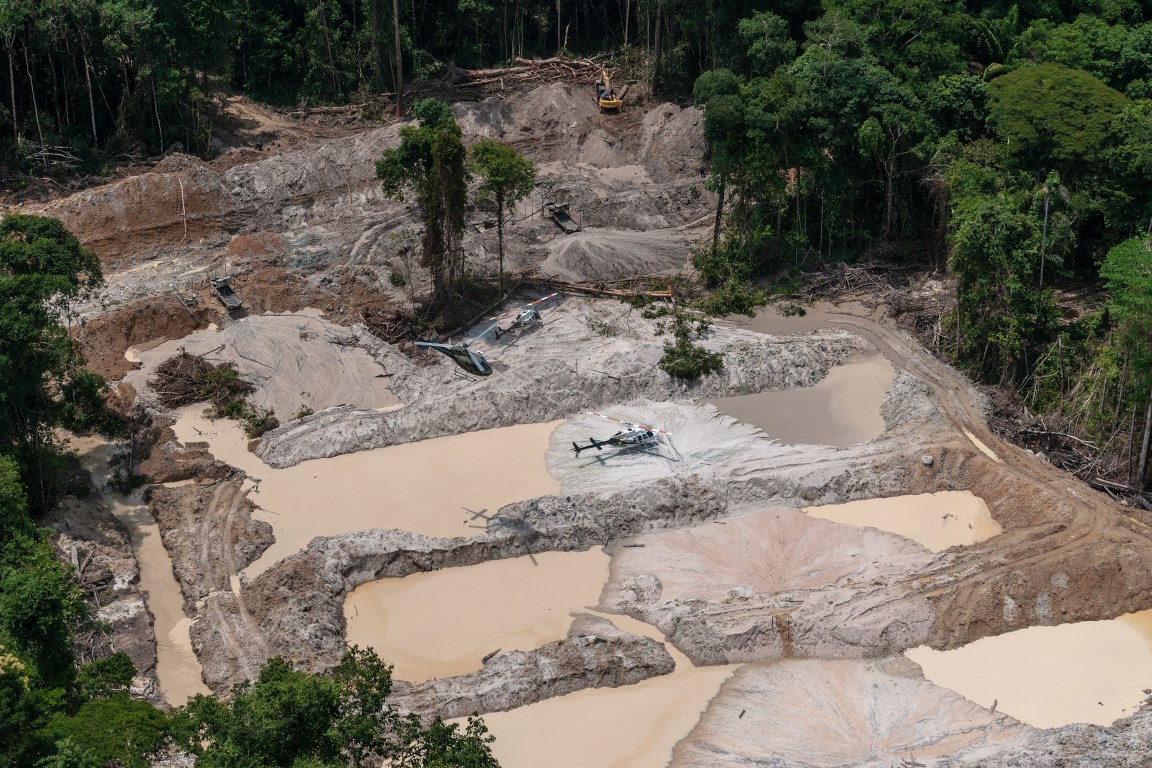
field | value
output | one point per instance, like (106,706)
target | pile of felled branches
(524,74)
(185,378)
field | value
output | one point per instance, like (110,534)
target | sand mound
(294,361)
(604,254)
(556,106)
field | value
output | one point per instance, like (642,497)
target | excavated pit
(709,541)
(515,604)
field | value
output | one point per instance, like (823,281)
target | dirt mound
(600,254)
(294,361)
(555,108)
(594,655)
(672,144)
(105,338)
(773,584)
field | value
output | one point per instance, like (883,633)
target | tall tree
(430,162)
(399,58)
(507,179)
(42,267)
(1128,270)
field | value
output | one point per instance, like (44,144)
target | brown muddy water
(819,317)
(439,487)
(842,409)
(1086,672)
(177,668)
(936,520)
(520,603)
(634,726)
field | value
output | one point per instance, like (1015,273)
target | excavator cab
(606,96)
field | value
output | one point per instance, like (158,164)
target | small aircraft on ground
(526,316)
(631,436)
(469,359)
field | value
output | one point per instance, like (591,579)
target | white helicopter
(640,436)
(526,316)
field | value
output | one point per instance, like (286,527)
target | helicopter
(631,436)
(470,360)
(526,316)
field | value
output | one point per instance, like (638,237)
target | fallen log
(592,290)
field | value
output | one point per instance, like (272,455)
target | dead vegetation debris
(184,379)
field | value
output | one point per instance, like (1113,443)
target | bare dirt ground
(710,544)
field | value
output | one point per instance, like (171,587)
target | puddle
(634,726)
(519,603)
(432,487)
(821,316)
(1086,672)
(842,409)
(936,520)
(177,668)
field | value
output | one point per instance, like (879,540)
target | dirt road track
(211,538)
(1067,534)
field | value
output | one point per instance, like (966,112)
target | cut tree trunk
(1141,473)
(12,87)
(399,58)
(719,217)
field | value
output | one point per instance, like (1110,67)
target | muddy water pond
(443,623)
(634,726)
(177,668)
(439,487)
(842,409)
(820,316)
(936,520)
(1086,672)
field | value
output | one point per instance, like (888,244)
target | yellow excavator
(606,96)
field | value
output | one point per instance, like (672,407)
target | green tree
(69,754)
(430,163)
(767,41)
(289,719)
(115,731)
(1128,270)
(40,603)
(1050,113)
(105,677)
(507,178)
(16,706)
(444,745)
(996,242)
(42,267)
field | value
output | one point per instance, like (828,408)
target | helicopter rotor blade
(487,330)
(630,424)
(541,301)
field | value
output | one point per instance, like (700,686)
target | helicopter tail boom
(592,443)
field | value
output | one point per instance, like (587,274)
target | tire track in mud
(224,605)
